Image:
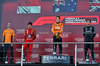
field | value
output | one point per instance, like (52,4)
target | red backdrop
(42,23)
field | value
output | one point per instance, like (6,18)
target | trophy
(57,36)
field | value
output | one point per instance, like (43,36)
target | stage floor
(49,65)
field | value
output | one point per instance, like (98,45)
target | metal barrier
(76,43)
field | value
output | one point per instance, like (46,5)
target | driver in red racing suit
(30,35)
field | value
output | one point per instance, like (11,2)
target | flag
(28,6)
(64,6)
(94,6)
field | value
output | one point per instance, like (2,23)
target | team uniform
(29,37)
(8,34)
(89,34)
(57,28)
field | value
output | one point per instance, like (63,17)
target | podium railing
(75,43)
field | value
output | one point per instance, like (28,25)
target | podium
(56,59)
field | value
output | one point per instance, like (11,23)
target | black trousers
(91,47)
(8,46)
(1,53)
(55,45)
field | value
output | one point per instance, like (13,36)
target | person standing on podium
(8,37)
(57,29)
(89,34)
(30,36)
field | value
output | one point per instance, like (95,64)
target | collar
(57,22)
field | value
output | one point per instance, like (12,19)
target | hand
(11,45)
(2,45)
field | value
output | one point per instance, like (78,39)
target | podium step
(56,59)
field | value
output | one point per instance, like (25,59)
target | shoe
(23,58)
(6,62)
(87,60)
(93,61)
(54,53)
